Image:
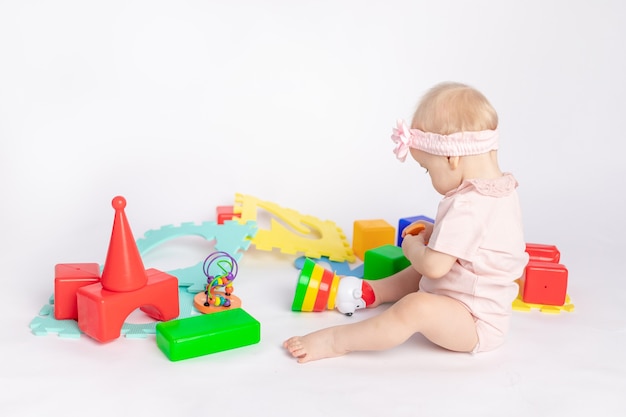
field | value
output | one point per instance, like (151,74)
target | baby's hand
(412,244)
(419,228)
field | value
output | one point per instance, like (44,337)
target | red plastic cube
(545,283)
(225,213)
(543,253)
(68,278)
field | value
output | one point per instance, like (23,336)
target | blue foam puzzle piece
(192,278)
(339,268)
(231,237)
(45,324)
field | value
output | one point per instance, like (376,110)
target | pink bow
(402,138)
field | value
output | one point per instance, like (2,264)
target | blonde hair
(452,107)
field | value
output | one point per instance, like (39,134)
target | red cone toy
(123,270)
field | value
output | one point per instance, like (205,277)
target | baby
(458,290)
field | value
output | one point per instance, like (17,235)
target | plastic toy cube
(225,213)
(68,278)
(405,221)
(370,234)
(545,283)
(543,253)
(384,261)
(195,336)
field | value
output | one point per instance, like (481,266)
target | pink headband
(456,144)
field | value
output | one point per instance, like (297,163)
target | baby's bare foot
(314,346)
(295,347)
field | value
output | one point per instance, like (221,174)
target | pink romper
(480,223)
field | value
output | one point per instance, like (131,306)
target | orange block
(101,313)
(370,234)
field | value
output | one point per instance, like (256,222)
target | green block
(195,336)
(383,261)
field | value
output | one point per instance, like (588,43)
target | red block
(225,213)
(101,313)
(68,278)
(543,253)
(544,283)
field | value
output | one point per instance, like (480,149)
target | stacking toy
(319,289)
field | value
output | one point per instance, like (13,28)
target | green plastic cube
(195,336)
(383,261)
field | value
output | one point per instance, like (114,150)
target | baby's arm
(426,261)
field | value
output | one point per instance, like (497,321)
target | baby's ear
(453,161)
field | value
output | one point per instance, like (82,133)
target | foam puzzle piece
(190,278)
(339,268)
(232,236)
(520,305)
(309,235)
(45,324)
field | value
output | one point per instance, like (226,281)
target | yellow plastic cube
(370,234)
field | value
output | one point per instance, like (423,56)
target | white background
(178,105)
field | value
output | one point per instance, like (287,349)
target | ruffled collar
(496,187)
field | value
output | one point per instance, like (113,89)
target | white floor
(567,364)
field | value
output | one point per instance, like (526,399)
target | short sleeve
(458,229)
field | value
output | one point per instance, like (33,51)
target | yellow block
(370,234)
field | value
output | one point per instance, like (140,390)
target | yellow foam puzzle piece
(520,305)
(309,235)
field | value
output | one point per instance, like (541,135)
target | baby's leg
(441,319)
(447,323)
(396,286)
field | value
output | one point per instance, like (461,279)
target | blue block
(405,221)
